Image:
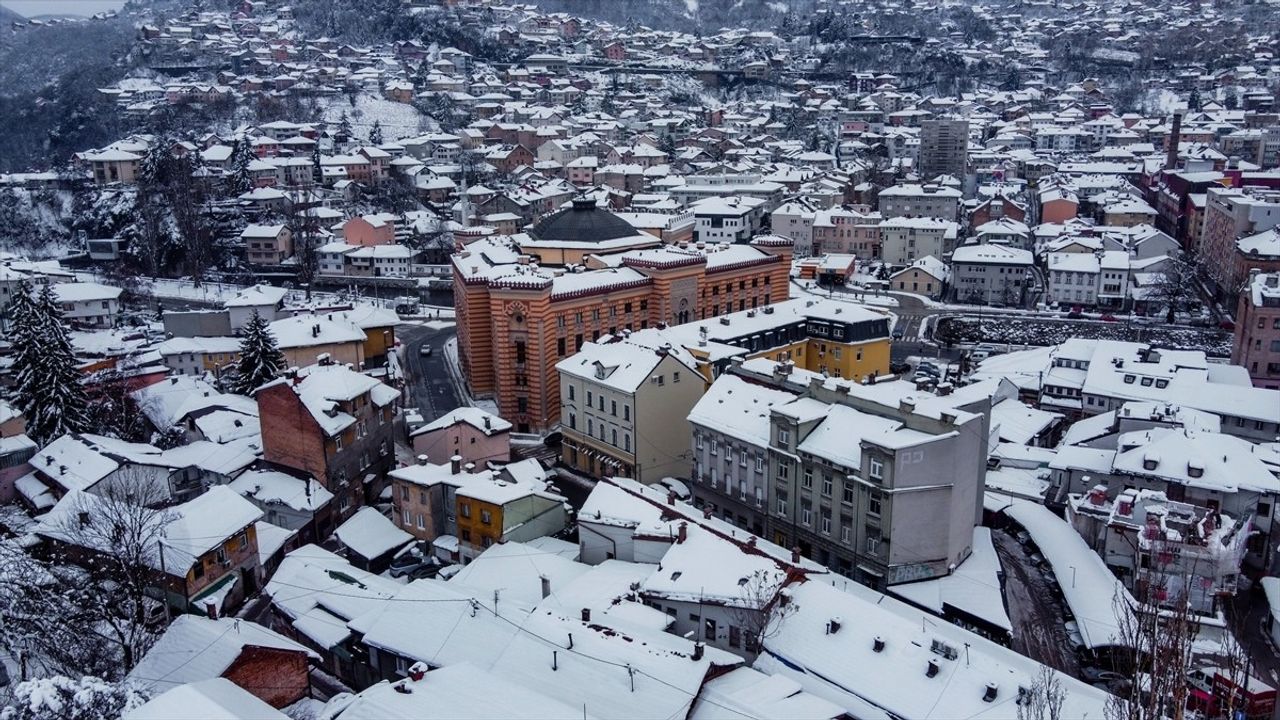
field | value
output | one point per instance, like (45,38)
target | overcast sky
(30,8)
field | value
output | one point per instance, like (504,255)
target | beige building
(624,406)
(927,276)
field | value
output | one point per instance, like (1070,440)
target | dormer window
(1194,470)
(1162,384)
(1128,379)
(1146,382)
(1150,462)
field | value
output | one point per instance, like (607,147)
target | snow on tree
(49,393)
(260,360)
(238,177)
(375,133)
(317,174)
(64,698)
(344,129)
(155,163)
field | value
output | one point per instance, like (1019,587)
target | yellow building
(841,339)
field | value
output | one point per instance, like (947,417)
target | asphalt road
(1036,614)
(426,378)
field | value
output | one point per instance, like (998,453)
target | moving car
(425,351)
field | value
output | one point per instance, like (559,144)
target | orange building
(517,319)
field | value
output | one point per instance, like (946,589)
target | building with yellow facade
(841,339)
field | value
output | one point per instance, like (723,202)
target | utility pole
(164,583)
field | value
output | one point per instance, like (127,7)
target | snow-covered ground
(397,120)
(1043,332)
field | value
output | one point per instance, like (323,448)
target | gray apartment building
(944,148)
(879,483)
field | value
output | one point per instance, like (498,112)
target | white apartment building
(88,304)
(903,240)
(1097,279)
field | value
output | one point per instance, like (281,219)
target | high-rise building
(944,148)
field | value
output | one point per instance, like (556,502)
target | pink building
(373,229)
(471,433)
(1257,334)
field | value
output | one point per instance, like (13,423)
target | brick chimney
(1175,134)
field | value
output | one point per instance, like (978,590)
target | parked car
(1108,318)
(411,560)
(897,334)
(899,368)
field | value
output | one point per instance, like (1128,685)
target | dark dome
(584,222)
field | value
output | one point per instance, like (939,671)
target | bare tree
(1176,287)
(762,609)
(1155,643)
(81,607)
(1045,697)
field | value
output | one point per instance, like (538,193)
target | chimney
(877,644)
(422,459)
(906,406)
(418,671)
(455,464)
(706,513)
(992,688)
(546,585)
(486,422)
(932,669)
(697,651)
(469,467)
(682,532)
(795,554)
(586,615)
(833,625)
(1175,134)
(671,497)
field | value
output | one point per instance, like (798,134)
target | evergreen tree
(260,360)
(317,175)
(50,393)
(239,180)
(375,134)
(344,129)
(155,162)
(22,326)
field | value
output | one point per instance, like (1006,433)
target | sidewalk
(454,368)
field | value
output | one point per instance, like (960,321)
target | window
(520,352)
(806,515)
(614,437)
(806,480)
(877,469)
(573,421)
(742,458)
(613,408)
(709,629)
(846,533)
(589,397)
(675,377)
(782,506)
(825,522)
(873,503)
(466,510)
(421,522)
(759,463)
(404,493)
(826,484)
(735,636)
(407,517)
(784,438)
(846,495)
(486,517)
(626,442)
(560,346)
(784,471)
(626,413)
(571,392)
